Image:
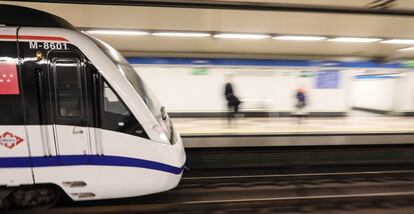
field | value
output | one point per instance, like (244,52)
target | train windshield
(143,90)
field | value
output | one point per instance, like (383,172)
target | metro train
(76,118)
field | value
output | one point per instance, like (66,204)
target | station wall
(374,94)
(404,93)
(393,94)
(192,89)
(186,85)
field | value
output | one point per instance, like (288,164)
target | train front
(161,148)
(166,140)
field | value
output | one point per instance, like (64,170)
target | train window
(116,116)
(68,88)
(112,103)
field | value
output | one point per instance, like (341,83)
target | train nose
(180,151)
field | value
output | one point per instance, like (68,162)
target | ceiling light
(182,34)
(118,32)
(300,38)
(354,39)
(240,36)
(407,49)
(399,41)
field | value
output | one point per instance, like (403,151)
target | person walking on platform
(232,101)
(300,104)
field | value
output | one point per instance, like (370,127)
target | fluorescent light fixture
(118,32)
(240,36)
(300,38)
(181,34)
(399,41)
(354,39)
(406,49)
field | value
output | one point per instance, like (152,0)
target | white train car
(75,116)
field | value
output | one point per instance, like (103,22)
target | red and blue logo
(10,140)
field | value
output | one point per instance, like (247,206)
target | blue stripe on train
(78,160)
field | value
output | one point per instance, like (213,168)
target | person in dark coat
(301,98)
(300,104)
(233,101)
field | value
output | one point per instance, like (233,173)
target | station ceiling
(154,19)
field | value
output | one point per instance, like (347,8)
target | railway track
(269,193)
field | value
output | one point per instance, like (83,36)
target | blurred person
(300,104)
(233,101)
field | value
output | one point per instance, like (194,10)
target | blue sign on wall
(261,62)
(327,79)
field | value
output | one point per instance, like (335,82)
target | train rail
(269,193)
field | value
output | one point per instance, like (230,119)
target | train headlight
(161,134)
(164,137)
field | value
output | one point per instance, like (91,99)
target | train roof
(11,15)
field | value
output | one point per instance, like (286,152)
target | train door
(68,106)
(15,165)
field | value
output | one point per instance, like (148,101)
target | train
(76,118)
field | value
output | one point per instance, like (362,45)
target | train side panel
(93,152)
(15,164)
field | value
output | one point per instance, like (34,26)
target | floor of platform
(337,125)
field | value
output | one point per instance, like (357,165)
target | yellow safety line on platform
(289,131)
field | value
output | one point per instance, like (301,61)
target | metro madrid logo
(10,140)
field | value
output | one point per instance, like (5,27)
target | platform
(219,126)
(360,130)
